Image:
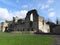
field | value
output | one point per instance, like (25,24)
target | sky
(49,9)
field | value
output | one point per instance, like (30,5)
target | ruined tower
(15,19)
(39,23)
(35,19)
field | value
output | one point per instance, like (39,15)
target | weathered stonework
(38,23)
(4,25)
(43,26)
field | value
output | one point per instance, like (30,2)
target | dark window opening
(31,23)
(23,29)
(32,29)
(28,29)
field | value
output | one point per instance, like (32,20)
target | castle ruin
(37,25)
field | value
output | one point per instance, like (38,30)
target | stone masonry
(38,23)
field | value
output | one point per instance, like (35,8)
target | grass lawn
(25,40)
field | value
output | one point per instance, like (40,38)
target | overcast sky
(46,8)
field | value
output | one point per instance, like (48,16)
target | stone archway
(35,18)
(34,13)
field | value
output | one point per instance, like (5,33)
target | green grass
(25,40)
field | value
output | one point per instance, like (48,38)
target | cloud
(45,6)
(6,15)
(17,1)
(24,6)
(51,9)
(51,14)
(20,14)
(50,1)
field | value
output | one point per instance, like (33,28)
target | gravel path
(56,40)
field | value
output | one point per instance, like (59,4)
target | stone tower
(39,23)
(15,19)
(35,19)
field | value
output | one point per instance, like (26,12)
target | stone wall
(3,26)
(43,27)
(38,23)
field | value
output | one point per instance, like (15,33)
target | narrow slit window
(31,17)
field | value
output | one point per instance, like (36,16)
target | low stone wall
(23,32)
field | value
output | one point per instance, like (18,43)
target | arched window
(31,17)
